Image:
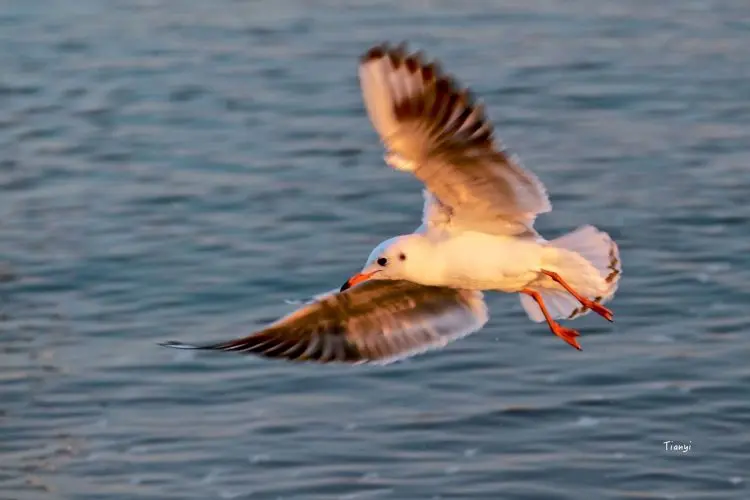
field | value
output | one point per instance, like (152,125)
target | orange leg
(594,306)
(567,334)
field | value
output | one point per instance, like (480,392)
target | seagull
(422,290)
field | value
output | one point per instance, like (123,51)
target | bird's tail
(589,261)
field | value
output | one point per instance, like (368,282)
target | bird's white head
(409,257)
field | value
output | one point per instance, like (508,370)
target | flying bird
(422,290)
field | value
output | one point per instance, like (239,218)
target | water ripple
(178,171)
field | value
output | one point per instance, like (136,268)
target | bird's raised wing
(378,321)
(435,129)
(435,215)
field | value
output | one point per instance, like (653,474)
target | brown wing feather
(435,103)
(425,117)
(376,321)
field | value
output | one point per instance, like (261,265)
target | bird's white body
(480,261)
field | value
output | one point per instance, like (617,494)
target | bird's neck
(428,265)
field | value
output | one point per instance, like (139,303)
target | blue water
(176,169)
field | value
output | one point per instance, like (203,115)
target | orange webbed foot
(567,334)
(601,310)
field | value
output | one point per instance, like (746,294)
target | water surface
(175,170)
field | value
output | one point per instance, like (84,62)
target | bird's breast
(489,262)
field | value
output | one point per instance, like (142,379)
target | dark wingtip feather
(179,345)
(376,52)
(397,53)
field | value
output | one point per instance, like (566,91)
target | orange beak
(357,278)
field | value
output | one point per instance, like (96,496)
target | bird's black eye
(402,256)
(382,261)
